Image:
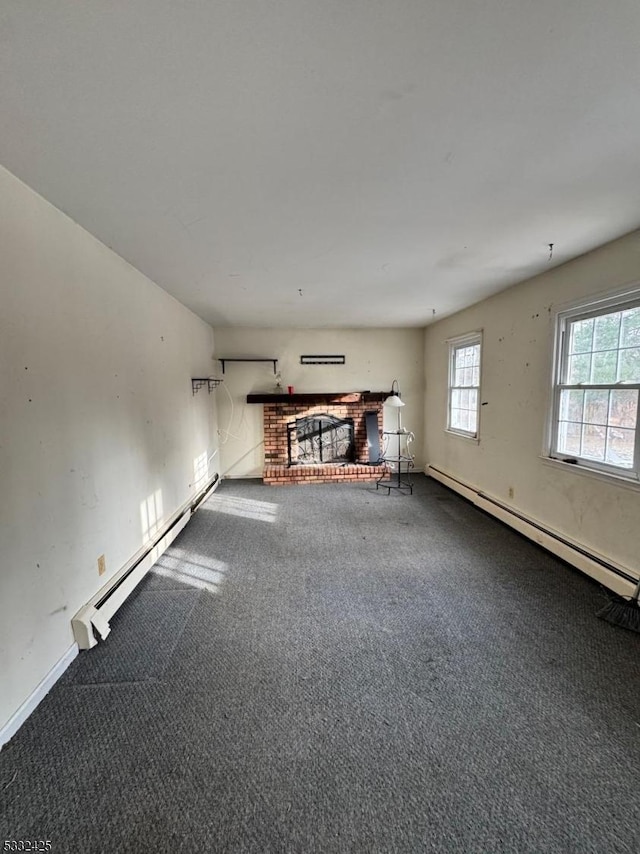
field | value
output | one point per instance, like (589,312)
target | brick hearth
(279,475)
(282,410)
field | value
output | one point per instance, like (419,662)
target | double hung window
(596,387)
(464,384)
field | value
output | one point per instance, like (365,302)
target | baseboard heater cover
(93,618)
(616,578)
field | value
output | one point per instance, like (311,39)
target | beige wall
(374,358)
(99,430)
(518,328)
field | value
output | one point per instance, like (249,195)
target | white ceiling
(329,162)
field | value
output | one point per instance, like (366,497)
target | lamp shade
(393,400)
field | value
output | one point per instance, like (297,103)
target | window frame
(584,310)
(454,344)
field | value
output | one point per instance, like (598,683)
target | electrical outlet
(102,565)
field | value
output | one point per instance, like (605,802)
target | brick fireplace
(282,414)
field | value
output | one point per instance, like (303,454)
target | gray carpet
(330,669)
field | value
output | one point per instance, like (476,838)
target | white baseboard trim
(618,578)
(209,489)
(42,689)
(242,476)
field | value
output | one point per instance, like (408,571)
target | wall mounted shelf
(204,382)
(222,361)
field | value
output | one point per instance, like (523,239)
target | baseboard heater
(93,618)
(616,578)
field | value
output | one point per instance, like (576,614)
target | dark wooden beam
(319,397)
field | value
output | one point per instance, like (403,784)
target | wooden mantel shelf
(319,397)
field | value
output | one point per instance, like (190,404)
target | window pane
(475,376)
(457,416)
(473,399)
(569,437)
(455,398)
(475,355)
(579,369)
(630,328)
(620,444)
(607,332)
(593,442)
(630,365)
(459,377)
(465,357)
(581,336)
(596,406)
(623,408)
(604,367)
(571,404)
(463,419)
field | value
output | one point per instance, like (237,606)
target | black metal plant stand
(400,478)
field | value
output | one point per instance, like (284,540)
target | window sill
(467,436)
(611,479)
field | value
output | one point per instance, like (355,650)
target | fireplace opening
(321,438)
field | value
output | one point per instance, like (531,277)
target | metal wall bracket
(204,382)
(322,360)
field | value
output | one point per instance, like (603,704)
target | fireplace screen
(320,439)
